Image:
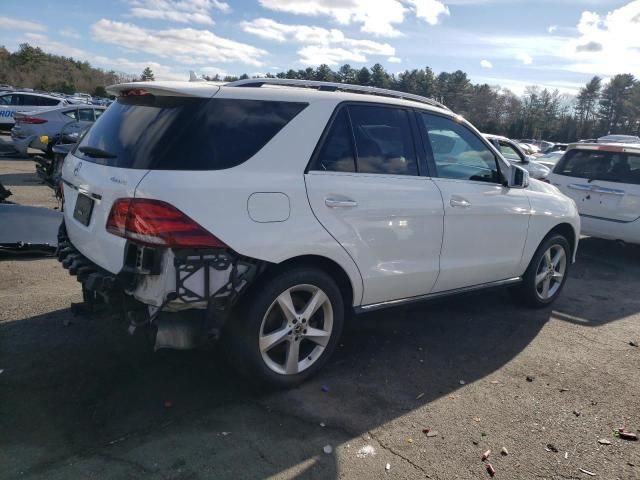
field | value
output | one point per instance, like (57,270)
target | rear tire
(288,327)
(546,274)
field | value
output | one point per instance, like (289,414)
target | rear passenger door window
(458,153)
(73,114)
(383,140)
(336,153)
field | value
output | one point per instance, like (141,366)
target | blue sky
(511,43)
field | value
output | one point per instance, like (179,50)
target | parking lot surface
(79,398)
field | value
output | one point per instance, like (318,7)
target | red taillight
(156,223)
(30,120)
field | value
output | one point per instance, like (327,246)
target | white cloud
(16,24)
(375,17)
(394,60)
(486,64)
(184,45)
(524,57)
(552,28)
(320,45)
(182,11)
(69,33)
(429,10)
(162,72)
(607,44)
(58,48)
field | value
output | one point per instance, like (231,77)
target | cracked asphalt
(80,399)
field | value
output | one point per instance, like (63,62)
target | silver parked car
(41,128)
(12,102)
(512,152)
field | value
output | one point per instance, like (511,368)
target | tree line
(539,113)
(598,109)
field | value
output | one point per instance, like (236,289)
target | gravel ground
(81,399)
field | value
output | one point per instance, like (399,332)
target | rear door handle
(458,202)
(340,203)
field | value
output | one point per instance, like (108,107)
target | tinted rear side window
(616,167)
(178,133)
(336,154)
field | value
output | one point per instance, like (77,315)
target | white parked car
(604,181)
(513,153)
(12,102)
(263,212)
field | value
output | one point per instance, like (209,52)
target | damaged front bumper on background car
(204,285)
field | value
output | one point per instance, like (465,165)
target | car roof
(606,146)
(33,94)
(497,137)
(268,90)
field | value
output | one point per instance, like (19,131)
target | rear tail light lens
(30,120)
(157,223)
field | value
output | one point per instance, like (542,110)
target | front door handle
(458,202)
(340,203)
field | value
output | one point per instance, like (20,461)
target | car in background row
(619,139)
(604,181)
(41,128)
(550,159)
(12,102)
(512,152)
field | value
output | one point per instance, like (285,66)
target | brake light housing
(30,120)
(158,224)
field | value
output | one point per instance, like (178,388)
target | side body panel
(485,228)
(220,200)
(393,231)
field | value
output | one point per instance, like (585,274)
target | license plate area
(83,209)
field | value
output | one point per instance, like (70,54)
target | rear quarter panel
(218,199)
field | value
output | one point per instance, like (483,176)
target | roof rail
(334,86)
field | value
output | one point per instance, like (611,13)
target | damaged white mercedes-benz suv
(263,212)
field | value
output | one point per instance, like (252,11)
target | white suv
(604,181)
(265,210)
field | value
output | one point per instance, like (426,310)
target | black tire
(527,291)
(241,339)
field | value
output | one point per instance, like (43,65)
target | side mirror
(518,177)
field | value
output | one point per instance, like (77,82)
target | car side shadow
(601,266)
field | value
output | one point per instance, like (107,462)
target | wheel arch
(325,264)
(567,231)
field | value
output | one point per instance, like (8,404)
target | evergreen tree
(147,75)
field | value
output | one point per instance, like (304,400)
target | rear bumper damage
(186,296)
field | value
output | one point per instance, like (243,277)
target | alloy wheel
(550,272)
(296,329)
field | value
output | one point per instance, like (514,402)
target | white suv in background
(263,210)
(604,180)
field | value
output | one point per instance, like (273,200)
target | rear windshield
(183,133)
(617,167)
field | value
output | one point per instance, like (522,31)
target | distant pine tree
(147,75)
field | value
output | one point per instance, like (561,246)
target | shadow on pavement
(70,392)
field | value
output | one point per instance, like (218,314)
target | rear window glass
(178,133)
(616,167)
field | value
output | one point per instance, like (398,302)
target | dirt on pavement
(79,398)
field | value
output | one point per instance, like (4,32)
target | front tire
(288,328)
(547,273)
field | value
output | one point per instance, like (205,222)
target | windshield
(617,167)
(183,133)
